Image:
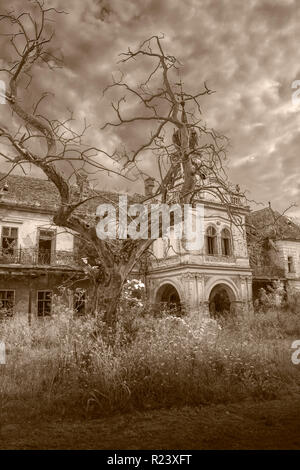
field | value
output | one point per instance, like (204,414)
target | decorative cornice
(236,270)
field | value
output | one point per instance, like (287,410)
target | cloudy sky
(247,51)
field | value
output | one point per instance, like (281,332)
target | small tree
(187,156)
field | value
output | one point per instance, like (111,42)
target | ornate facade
(213,279)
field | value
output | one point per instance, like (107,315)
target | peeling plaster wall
(16,277)
(23,285)
(28,224)
(290,248)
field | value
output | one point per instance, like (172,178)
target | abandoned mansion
(37,258)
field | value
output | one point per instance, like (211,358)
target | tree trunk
(111,298)
(105,297)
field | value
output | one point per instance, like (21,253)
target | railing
(33,256)
(268,272)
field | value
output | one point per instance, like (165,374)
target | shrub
(272,297)
(292,301)
(58,365)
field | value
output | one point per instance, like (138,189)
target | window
(44,303)
(79,301)
(9,240)
(211,241)
(290,264)
(226,242)
(162,227)
(172,219)
(235,200)
(7,302)
(45,247)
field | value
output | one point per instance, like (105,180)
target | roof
(41,194)
(36,194)
(273,225)
(28,191)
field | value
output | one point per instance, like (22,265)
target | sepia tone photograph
(149,227)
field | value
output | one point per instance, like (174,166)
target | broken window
(9,240)
(79,301)
(7,302)
(44,303)
(45,247)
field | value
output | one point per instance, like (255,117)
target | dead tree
(187,157)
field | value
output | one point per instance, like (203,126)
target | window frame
(214,242)
(6,300)
(229,239)
(290,263)
(16,239)
(44,300)
(53,243)
(83,302)
(236,200)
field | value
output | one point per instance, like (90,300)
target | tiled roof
(28,191)
(37,193)
(273,225)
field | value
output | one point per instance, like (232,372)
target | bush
(270,298)
(292,301)
(59,365)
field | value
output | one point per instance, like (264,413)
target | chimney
(149,185)
(82,183)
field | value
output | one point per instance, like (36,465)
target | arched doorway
(168,295)
(220,300)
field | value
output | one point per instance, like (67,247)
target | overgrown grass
(60,367)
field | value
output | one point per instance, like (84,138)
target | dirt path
(268,425)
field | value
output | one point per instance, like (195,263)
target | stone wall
(25,283)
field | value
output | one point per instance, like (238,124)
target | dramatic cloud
(245,50)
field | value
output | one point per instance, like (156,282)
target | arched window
(211,241)
(226,242)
